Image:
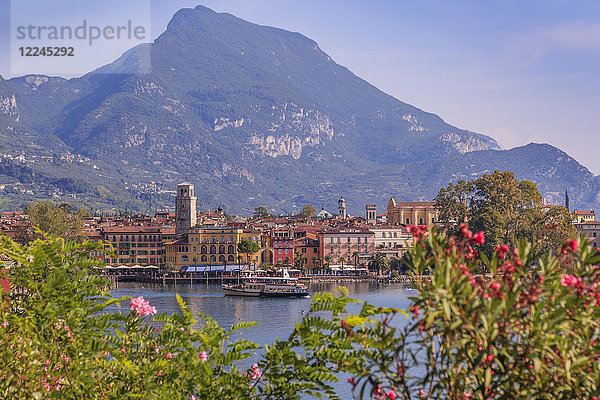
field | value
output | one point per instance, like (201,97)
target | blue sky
(519,71)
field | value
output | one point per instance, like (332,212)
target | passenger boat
(268,287)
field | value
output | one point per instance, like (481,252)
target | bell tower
(342,209)
(185,208)
(371,214)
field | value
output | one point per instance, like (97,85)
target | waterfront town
(318,241)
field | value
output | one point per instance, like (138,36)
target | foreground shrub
(511,327)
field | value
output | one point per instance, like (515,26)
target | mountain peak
(257,116)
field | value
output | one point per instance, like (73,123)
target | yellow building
(584,216)
(216,246)
(205,246)
(411,212)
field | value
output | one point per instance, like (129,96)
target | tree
(56,220)
(378,263)
(299,261)
(327,260)
(342,261)
(356,256)
(248,247)
(307,211)
(505,209)
(261,212)
(451,202)
(315,261)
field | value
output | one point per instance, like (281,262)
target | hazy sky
(519,71)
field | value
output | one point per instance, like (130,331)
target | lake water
(275,316)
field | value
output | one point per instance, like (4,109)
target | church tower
(342,209)
(371,214)
(185,208)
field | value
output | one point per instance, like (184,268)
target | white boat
(268,287)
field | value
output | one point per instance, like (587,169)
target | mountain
(254,116)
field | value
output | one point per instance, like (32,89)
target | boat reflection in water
(268,286)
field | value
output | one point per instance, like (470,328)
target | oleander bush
(515,326)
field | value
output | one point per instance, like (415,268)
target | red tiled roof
(582,212)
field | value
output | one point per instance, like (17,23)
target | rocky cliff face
(255,116)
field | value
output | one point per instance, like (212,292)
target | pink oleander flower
(169,355)
(421,392)
(391,395)
(141,306)
(478,238)
(203,356)
(569,280)
(255,372)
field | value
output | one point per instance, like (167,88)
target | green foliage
(378,263)
(248,247)
(527,330)
(506,210)
(261,212)
(56,220)
(307,211)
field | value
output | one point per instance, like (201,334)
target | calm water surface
(275,316)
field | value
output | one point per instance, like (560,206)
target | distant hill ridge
(254,116)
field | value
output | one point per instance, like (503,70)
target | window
(594,235)
(280,251)
(420,221)
(395,235)
(407,221)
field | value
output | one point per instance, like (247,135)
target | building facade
(134,245)
(411,212)
(205,246)
(391,240)
(589,230)
(351,245)
(282,242)
(584,216)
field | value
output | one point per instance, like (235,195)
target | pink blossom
(169,355)
(391,395)
(421,392)
(203,356)
(141,306)
(255,372)
(569,280)
(478,238)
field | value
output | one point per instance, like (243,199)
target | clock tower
(185,208)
